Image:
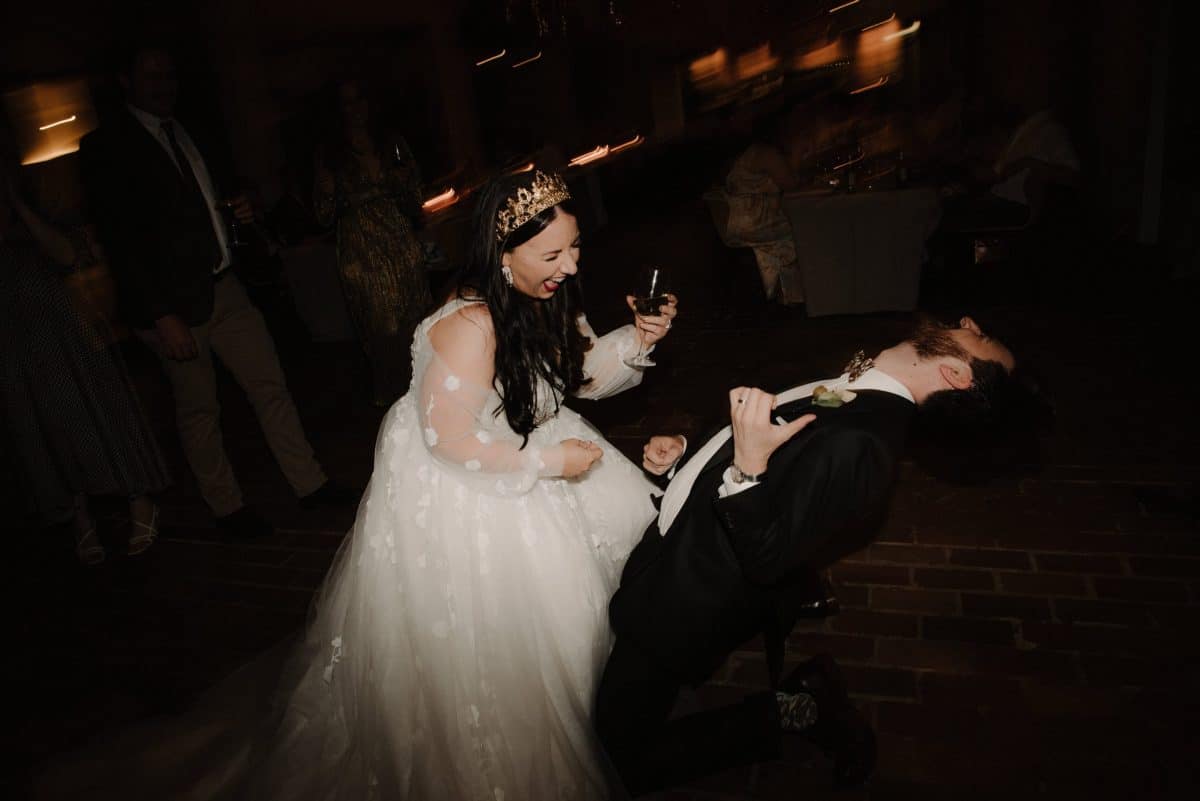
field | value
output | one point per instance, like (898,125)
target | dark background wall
(255,69)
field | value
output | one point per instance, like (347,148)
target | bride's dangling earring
(507,272)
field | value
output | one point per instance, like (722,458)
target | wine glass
(649,297)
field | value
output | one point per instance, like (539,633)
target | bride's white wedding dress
(456,644)
(460,634)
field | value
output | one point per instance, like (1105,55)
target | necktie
(181,160)
(192,185)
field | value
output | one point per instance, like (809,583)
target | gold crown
(544,192)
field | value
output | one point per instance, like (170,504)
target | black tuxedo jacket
(155,226)
(731,568)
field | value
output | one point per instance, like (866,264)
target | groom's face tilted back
(955,372)
(966,341)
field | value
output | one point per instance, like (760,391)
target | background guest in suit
(368,183)
(157,207)
(794,484)
(67,408)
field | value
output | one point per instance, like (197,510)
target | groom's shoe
(818,675)
(816,599)
(839,729)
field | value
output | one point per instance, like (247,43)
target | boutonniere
(831,398)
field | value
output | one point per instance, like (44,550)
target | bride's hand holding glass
(651,328)
(653,308)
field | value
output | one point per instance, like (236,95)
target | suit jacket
(731,568)
(155,225)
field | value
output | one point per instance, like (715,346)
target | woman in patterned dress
(68,411)
(369,185)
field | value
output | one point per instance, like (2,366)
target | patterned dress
(756,220)
(380,260)
(67,409)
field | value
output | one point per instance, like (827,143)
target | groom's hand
(661,453)
(755,435)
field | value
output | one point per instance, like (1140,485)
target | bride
(458,638)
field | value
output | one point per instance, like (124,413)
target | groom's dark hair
(989,429)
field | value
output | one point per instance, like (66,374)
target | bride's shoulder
(466,325)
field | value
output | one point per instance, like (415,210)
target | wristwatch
(741,477)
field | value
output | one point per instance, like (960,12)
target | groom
(796,482)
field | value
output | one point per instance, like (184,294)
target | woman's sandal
(89,550)
(143,535)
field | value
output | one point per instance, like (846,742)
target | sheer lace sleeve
(604,364)
(457,419)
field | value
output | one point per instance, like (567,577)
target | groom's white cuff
(730,487)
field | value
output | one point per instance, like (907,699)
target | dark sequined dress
(380,260)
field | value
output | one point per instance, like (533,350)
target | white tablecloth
(862,252)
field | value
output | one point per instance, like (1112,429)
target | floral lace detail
(336,644)
(471,556)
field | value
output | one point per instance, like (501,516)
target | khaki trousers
(238,335)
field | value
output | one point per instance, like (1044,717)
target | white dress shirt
(153,124)
(681,485)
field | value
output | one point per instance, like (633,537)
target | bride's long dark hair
(535,338)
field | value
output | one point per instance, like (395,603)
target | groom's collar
(874,379)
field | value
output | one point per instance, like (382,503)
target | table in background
(861,252)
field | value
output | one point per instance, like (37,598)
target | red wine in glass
(649,296)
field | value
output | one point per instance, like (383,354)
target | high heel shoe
(142,535)
(88,549)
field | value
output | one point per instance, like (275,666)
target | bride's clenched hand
(578,456)
(661,453)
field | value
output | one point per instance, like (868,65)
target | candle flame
(592,155)
(634,142)
(447,198)
(528,60)
(501,54)
(56,124)
(911,29)
(873,85)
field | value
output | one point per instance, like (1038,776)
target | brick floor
(1032,637)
